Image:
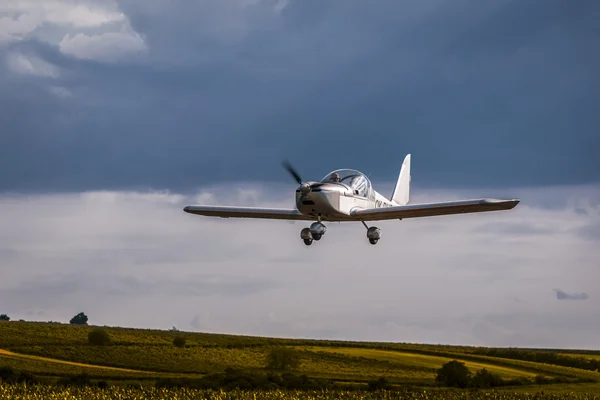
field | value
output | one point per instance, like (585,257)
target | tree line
(79,319)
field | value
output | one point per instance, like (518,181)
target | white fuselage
(335,201)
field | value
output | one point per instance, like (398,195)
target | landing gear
(373,233)
(306,236)
(315,232)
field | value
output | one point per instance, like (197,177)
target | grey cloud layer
(134,258)
(497,94)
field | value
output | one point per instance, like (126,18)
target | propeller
(304,187)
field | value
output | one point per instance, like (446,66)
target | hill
(59,350)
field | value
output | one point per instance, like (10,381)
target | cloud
(86,29)
(560,295)
(31,65)
(109,46)
(174,94)
(60,91)
(136,259)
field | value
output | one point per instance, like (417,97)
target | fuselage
(334,201)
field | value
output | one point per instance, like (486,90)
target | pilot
(335,177)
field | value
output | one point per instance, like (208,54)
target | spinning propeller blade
(304,187)
(292,171)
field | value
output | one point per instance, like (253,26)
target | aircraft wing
(246,212)
(434,209)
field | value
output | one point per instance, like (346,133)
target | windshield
(356,180)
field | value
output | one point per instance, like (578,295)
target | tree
(4,317)
(454,374)
(79,319)
(98,337)
(281,358)
(179,341)
(485,379)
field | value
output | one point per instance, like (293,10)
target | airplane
(347,195)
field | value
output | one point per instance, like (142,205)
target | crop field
(50,367)
(19,392)
(427,363)
(53,350)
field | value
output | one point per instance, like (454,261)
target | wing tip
(512,203)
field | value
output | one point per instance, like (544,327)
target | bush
(380,384)
(75,380)
(9,375)
(485,379)
(4,317)
(6,374)
(232,379)
(454,374)
(27,377)
(282,358)
(102,385)
(179,341)
(98,337)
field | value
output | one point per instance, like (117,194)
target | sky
(114,115)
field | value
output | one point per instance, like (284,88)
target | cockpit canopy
(355,180)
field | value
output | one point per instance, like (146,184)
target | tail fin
(401,192)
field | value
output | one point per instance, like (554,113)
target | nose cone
(305,188)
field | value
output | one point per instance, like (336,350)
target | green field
(52,350)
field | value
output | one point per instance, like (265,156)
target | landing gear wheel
(306,236)
(373,234)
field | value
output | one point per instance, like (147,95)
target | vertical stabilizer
(401,192)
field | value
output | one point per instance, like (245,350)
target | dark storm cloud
(561,295)
(497,93)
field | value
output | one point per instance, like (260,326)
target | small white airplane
(347,195)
